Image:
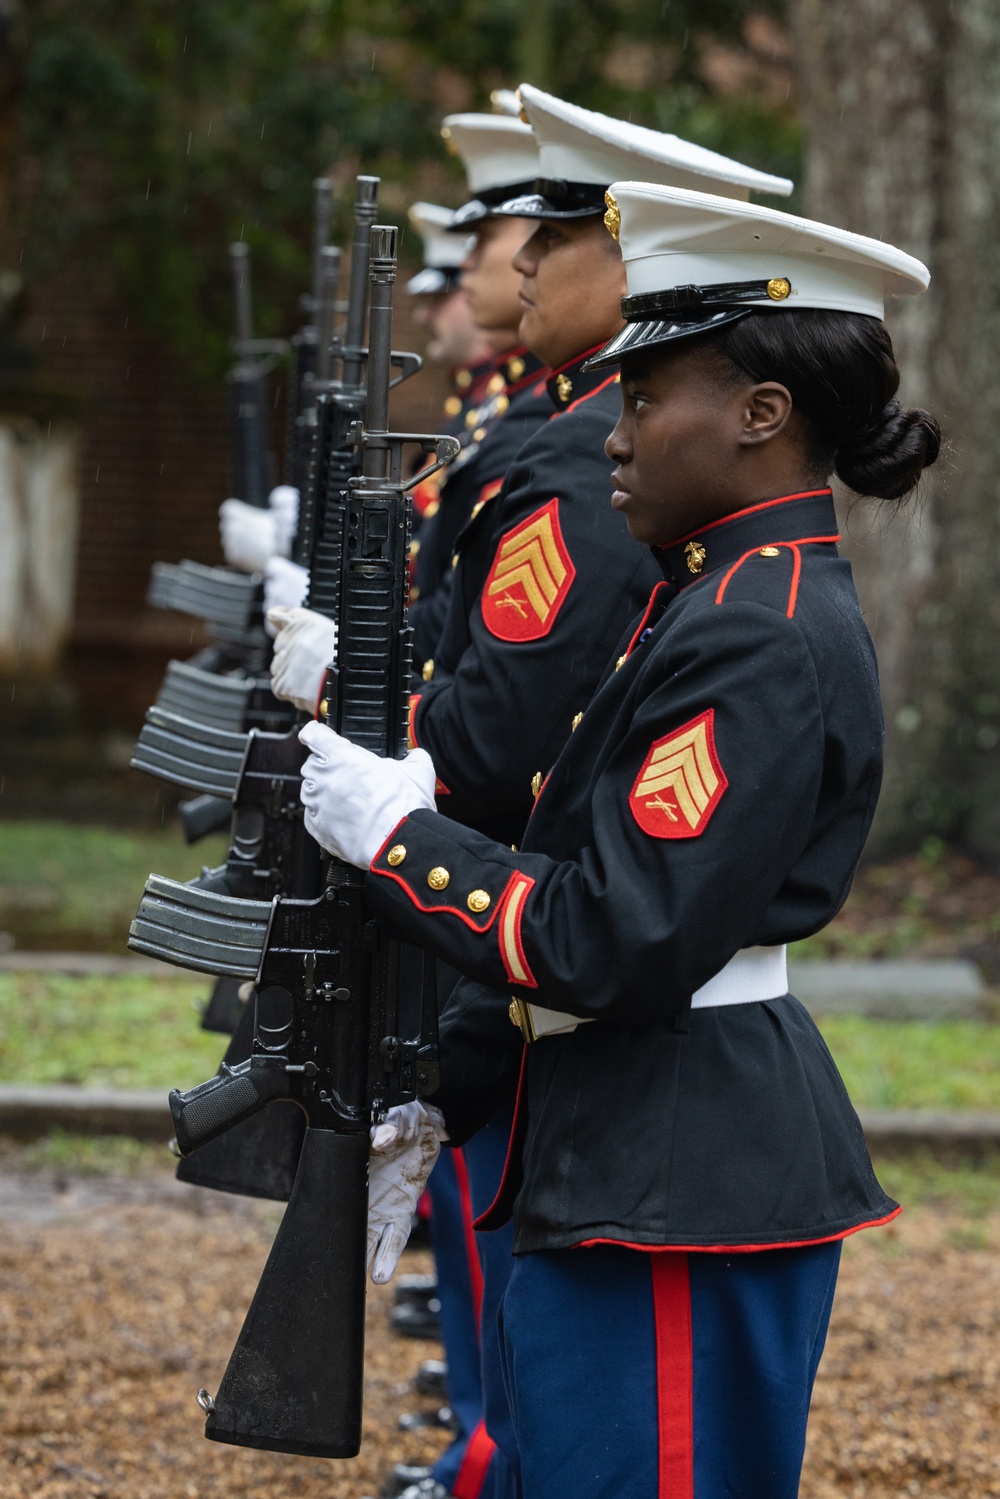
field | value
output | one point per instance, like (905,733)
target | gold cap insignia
(515,368)
(564,387)
(439,878)
(769,552)
(478,901)
(778,288)
(536,783)
(695,554)
(450,146)
(396,855)
(428,670)
(612,216)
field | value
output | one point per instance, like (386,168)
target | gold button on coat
(428,670)
(396,854)
(514,1012)
(536,783)
(769,552)
(577,721)
(478,901)
(621,662)
(439,878)
(453,406)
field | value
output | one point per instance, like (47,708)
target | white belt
(753,974)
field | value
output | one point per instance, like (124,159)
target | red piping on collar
(806,494)
(577,359)
(589,396)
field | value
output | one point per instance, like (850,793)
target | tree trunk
(902,114)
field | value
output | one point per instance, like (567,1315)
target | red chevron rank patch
(530,577)
(681,782)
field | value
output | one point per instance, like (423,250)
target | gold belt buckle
(520,1015)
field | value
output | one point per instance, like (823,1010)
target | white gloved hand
(404,1149)
(304,647)
(285,587)
(354,799)
(283,502)
(248,535)
(251,536)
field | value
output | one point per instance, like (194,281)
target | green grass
(67,886)
(917,1178)
(915,1064)
(105,1032)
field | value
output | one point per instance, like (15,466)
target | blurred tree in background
(161,129)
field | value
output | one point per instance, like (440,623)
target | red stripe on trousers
(674,1381)
(471,1475)
(469,1233)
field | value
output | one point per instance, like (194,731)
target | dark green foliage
(154,131)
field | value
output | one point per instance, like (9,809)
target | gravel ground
(120,1296)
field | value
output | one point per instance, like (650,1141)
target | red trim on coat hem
(674,1377)
(390,874)
(740,1248)
(475,1464)
(522,1075)
(471,1252)
(784,499)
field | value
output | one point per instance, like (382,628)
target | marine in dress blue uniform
(684,1160)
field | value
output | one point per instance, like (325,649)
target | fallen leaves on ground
(121,1297)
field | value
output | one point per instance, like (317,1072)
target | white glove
(305,646)
(285,586)
(404,1149)
(354,799)
(283,502)
(250,536)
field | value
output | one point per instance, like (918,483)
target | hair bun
(888,456)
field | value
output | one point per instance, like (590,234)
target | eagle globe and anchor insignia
(681,781)
(531,575)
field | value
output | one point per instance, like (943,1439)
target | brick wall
(154,469)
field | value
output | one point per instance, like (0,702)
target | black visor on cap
(651,334)
(487,203)
(555,199)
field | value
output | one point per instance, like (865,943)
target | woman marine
(685,1161)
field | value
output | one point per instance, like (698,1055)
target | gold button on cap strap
(439,878)
(478,901)
(396,855)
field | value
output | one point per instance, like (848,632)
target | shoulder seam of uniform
(791,546)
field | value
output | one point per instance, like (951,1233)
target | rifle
(326,1031)
(270,852)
